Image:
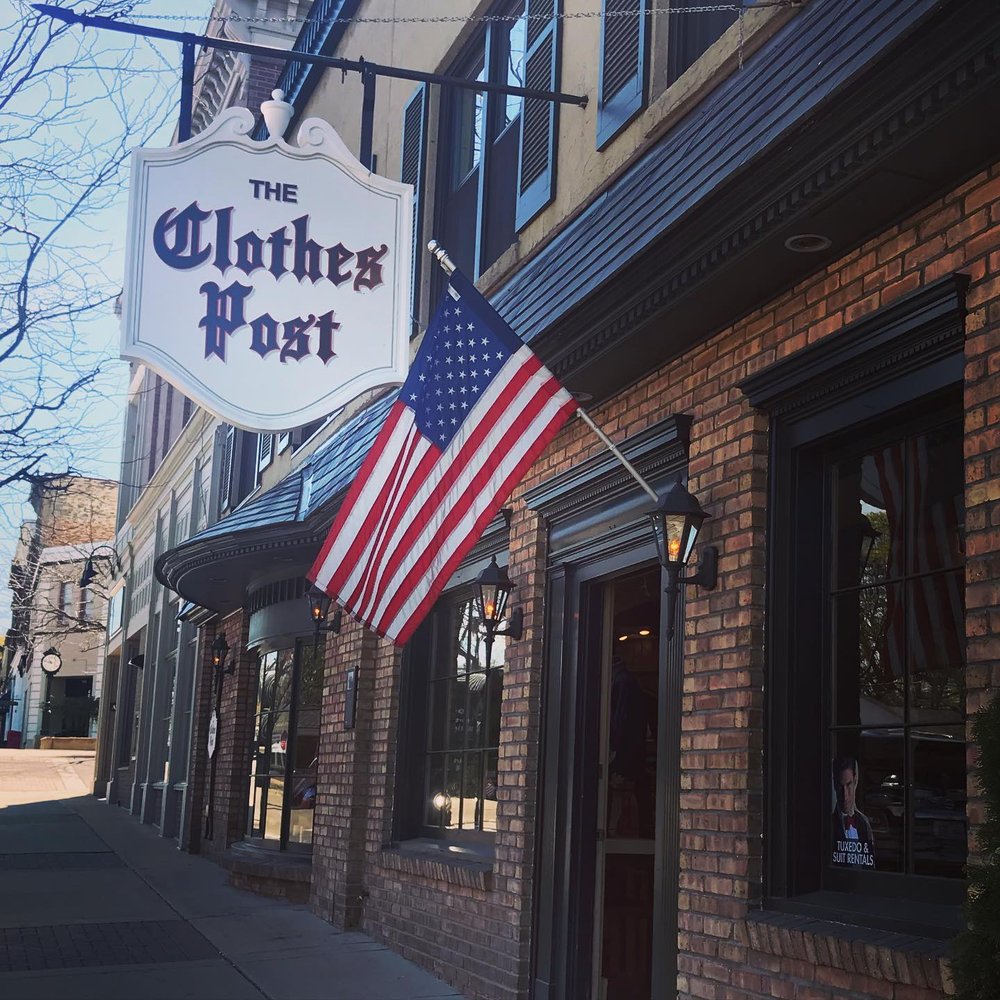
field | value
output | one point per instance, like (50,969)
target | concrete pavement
(94,905)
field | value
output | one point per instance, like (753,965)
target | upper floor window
(645,50)
(496,170)
(66,598)
(86,610)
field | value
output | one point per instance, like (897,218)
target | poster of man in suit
(852,839)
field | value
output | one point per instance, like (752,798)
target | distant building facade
(53,613)
(181,470)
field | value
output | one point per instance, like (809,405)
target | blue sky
(101,95)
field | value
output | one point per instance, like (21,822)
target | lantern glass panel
(319,605)
(493,601)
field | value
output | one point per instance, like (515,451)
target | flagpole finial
(441,255)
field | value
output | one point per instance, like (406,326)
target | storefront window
(447,776)
(285,753)
(896,612)
(464,724)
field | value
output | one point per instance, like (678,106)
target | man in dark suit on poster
(853,841)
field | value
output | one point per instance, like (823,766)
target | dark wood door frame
(598,531)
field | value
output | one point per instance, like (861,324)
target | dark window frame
(500,212)
(901,364)
(289,783)
(416,715)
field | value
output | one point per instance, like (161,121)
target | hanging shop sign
(269,283)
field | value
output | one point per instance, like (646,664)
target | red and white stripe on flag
(476,411)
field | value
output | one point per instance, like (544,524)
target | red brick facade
(472,924)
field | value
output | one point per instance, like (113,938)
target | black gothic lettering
(296,344)
(336,257)
(326,324)
(177,238)
(369,269)
(224,315)
(307,252)
(265,334)
(249,253)
(278,241)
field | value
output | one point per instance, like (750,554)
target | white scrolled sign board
(269,283)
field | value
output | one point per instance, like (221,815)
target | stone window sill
(879,954)
(440,863)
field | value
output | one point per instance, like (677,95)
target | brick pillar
(233,741)
(239,695)
(722,709)
(982,499)
(520,731)
(340,817)
(198,763)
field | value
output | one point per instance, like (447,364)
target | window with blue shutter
(265,451)
(689,35)
(536,175)
(226,471)
(621,84)
(497,163)
(411,171)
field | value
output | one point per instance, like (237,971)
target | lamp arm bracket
(707,574)
(515,625)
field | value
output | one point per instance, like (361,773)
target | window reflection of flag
(932,600)
(891,464)
(936,611)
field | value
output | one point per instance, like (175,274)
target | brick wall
(233,741)
(339,819)
(76,510)
(262,77)
(721,953)
(470,923)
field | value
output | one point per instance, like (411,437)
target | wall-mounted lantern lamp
(493,587)
(677,519)
(89,573)
(319,612)
(220,650)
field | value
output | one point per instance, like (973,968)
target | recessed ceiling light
(622,638)
(807,243)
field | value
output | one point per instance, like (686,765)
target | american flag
(476,410)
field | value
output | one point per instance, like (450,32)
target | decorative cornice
(654,452)
(911,333)
(276,592)
(178,562)
(828,177)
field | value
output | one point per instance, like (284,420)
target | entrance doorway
(69,707)
(628,651)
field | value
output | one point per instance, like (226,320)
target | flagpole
(448,266)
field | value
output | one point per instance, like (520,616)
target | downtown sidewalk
(94,906)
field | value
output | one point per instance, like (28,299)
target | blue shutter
(536,171)
(411,171)
(226,472)
(621,84)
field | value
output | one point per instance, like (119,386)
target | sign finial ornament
(268,282)
(277,114)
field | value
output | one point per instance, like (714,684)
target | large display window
(286,746)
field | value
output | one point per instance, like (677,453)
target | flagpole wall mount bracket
(441,256)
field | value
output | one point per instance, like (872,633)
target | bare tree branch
(73,104)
